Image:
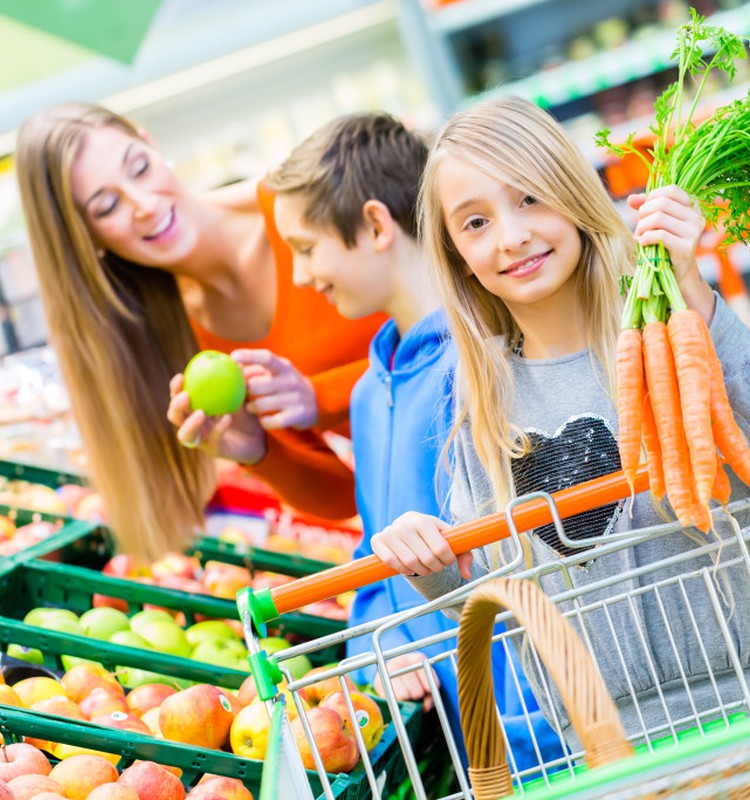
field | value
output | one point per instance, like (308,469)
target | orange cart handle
(461,538)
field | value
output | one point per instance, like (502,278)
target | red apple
(106,601)
(5,792)
(60,706)
(7,528)
(102,701)
(337,747)
(147,696)
(112,791)
(210,786)
(152,782)
(315,692)
(151,718)
(225,580)
(22,758)
(26,787)
(81,679)
(78,775)
(91,508)
(123,721)
(369,717)
(201,715)
(71,494)
(177,564)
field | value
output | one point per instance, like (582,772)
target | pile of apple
(212,641)
(203,715)
(216,578)
(69,500)
(26,774)
(14,538)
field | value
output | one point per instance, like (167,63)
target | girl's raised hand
(280,394)
(669,215)
(237,436)
(414,545)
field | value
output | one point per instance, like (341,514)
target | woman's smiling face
(520,250)
(129,199)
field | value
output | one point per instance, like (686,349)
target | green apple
(42,617)
(69,662)
(214,383)
(297,665)
(130,639)
(22,653)
(221,653)
(131,677)
(102,622)
(210,629)
(148,615)
(166,636)
(273,643)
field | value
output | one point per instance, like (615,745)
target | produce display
(671,393)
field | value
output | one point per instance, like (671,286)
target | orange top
(332,351)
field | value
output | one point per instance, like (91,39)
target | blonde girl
(528,251)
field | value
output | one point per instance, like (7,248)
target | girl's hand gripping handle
(462,538)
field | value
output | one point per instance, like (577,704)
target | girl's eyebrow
(125,157)
(462,205)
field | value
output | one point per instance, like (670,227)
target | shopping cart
(676,743)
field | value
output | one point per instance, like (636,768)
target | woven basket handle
(592,712)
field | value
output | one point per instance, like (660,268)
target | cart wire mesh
(625,620)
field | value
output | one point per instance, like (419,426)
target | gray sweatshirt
(564,407)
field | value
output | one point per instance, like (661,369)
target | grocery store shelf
(470,13)
(633,60)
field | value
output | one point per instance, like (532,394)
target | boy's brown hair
(348,161)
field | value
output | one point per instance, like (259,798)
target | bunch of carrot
(671,393)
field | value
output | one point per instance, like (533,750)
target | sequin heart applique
(581,450)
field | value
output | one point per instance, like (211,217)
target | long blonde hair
(517,142)
(120,332)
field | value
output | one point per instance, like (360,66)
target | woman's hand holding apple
(237,436)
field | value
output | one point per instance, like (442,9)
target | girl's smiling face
(129,199)
(521,251)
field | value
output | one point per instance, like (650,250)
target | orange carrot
(689,340)
(727,433)
(721,488)
(630,382)
(661,381)
(653,450)
(699,511)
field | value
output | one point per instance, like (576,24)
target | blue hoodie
(400,418)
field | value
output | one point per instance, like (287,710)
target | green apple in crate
(148,615)
(220,652)
(210,630)
(166,636)
(102,623)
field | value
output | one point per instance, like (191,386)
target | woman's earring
(100,254)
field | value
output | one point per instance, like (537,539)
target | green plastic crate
(195,761)
(206,548)
(38,583)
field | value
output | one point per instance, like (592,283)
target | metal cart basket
(683,737)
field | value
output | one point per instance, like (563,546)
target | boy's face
(354,279)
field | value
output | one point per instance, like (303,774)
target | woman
(133,267)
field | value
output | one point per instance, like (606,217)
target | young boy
(346,205)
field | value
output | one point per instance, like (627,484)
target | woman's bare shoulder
(239,196)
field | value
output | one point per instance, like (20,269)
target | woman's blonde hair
(120,332)
(523,146)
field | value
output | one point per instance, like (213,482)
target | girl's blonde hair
(120,332)
(515,141)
